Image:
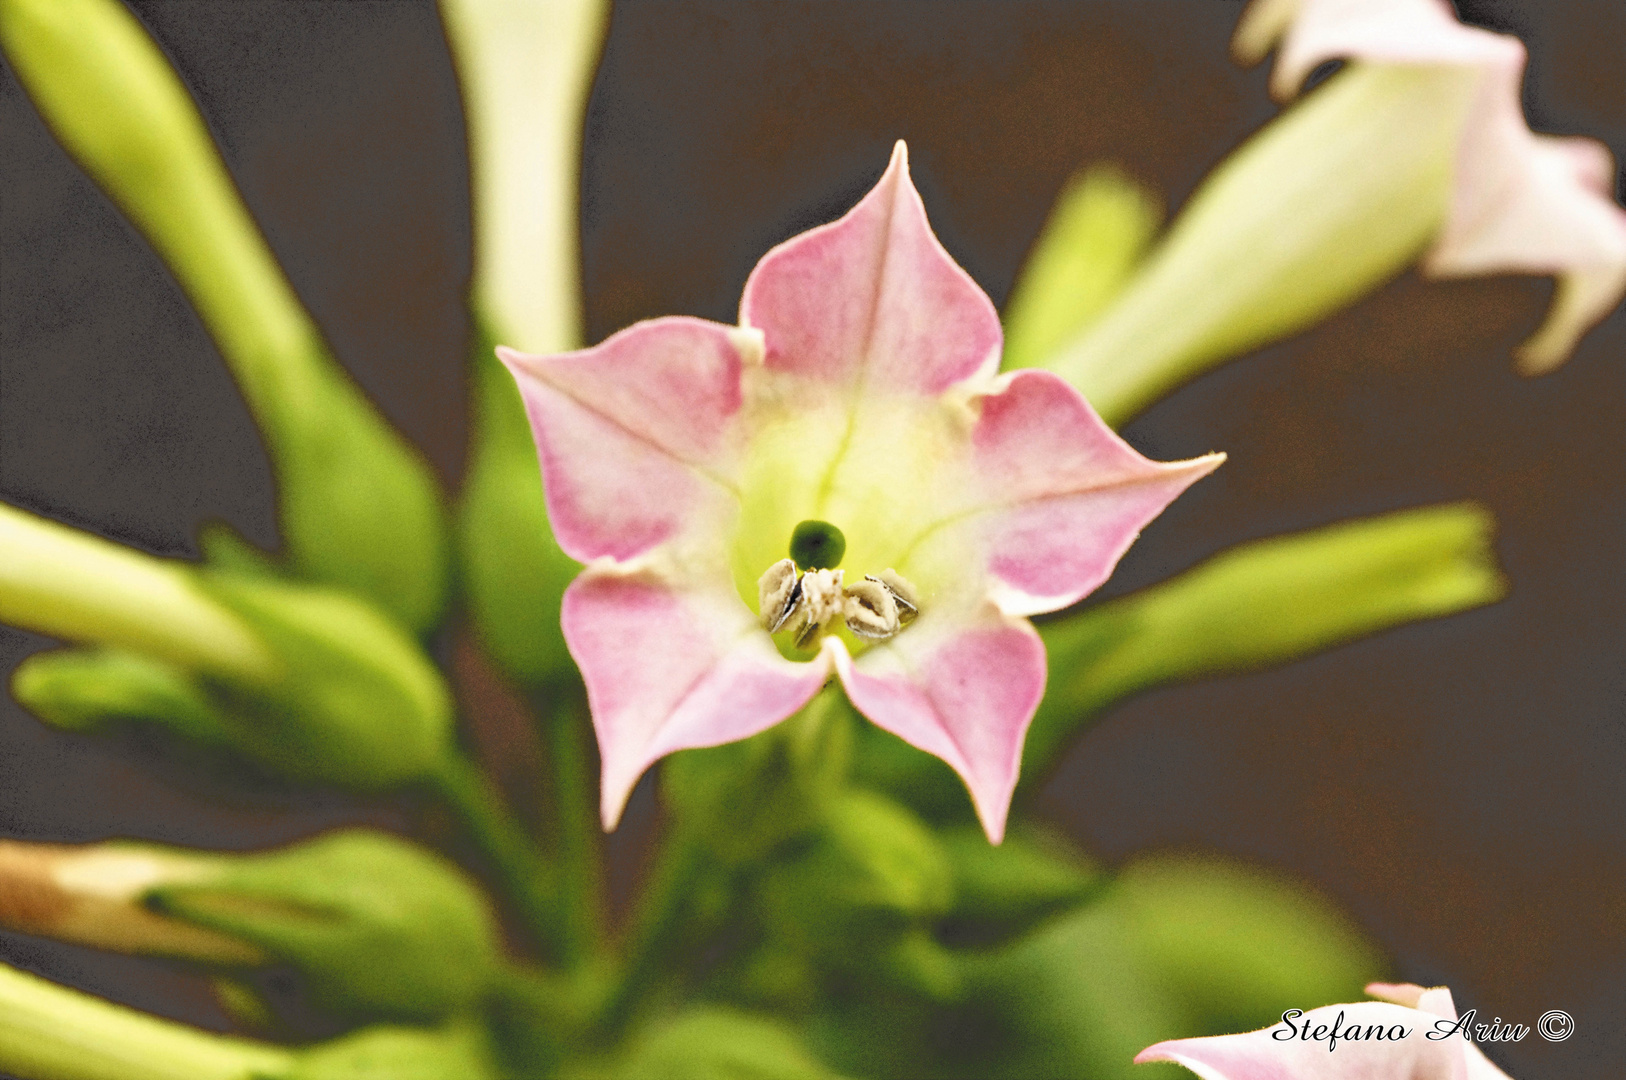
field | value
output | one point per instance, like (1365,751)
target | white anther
(871,610)
(822,603)
(903,593)
(779,590)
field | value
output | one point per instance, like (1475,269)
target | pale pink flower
(1520,202)
(1365,1040)
(861,388)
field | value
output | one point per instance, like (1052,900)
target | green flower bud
(312,684)
(359,506)
(1096,235)
(358,703)
(513,569)
(1265,603)
(84,689)
(1001,890)
(376,925)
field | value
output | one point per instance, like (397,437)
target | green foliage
(1172,947)
(357,703)
(359,508)
(1003,890)
(378,926)
(1238,945)
(712,1043)
(1099,229)
(513,570)
(458,1052)
(858,900)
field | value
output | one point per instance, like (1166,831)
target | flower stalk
(69,584)
(49,1032)
(112,100)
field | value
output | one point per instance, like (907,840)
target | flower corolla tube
(842,483)
(1413,1033)
(1520,201)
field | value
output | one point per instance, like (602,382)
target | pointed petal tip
(1406,994)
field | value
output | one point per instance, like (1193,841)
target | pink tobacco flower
(1520,202)
(842,483)
(1413,1034)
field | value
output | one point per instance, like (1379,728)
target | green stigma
(817,545)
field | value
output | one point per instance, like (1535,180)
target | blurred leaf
(1175,947)
(1002,890)
(1239,945)
(395,1053)
(1098,230)
(712,1043)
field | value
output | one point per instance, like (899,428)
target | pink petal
(1065,496)
(873,299)
(1521,202)
(961,688)
(671,668)
(635,435)
(1257,1055)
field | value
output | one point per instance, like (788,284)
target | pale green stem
(1320,207)
(529,882)
(68,584)
(525,69)
(113,100)
(49,1032)
(579,837)
(359,507)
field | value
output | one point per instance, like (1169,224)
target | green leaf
(713,1043)
(1002,890)
(1238,945)
(1100,227)
(458,1052)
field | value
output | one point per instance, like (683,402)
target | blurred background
(1455,785)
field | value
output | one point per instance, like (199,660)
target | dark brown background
(1456,785)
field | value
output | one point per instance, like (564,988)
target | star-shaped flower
(1520,201)
(1417,1037)
(844,483)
